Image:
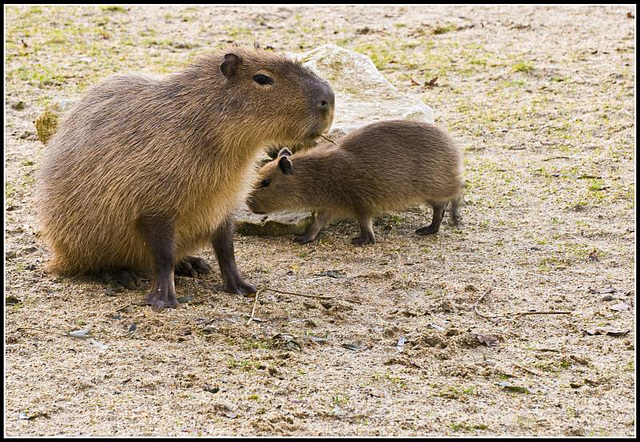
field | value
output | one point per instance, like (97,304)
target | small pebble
(607,298)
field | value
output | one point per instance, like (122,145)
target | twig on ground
(541,313)
(515,315)
(475,306)
(299,294)
(253,310)
(42,330)
(527,370)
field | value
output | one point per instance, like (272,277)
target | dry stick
(515,315)
(475,306)
(299,294)
(542,313)
(526,369)
(42,330)
(253,310)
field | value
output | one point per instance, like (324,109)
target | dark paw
(303,239)
(240,287)
(161,299)
(363,240)
(192,267)
(126,278)
(429,230)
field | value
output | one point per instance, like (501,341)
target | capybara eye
(265,183)
(262,80)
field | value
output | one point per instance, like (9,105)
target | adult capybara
(384,166)
(145,169)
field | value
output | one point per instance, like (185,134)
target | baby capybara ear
(230,65)
(285,165)
(284,152)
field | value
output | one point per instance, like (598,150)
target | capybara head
(277,188)
(278,98)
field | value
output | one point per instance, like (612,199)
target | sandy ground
(542,101)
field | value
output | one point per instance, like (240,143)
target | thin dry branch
(299,294)
(253,310)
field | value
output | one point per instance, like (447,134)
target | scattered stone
(621,307)
(354,347)
(81,334)
(209,329)
(607,298)
(278,224)
(185,299)
(515,388)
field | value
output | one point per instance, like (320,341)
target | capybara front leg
(158,233)
(320,221)
(438,214)
(223,246)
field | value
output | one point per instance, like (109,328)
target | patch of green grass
(113,8)
(596,185)
(443,29)
(523,66)
(399,25)
(379,55)
(253,345)
(340,399)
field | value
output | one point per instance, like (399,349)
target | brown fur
(385,166)
(180,146)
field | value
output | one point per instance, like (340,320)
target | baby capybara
(385,166)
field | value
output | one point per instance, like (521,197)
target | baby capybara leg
(438,214)
(158,233)
(320,221)
(366,232)
(223,246)
(125,277)
(192,266)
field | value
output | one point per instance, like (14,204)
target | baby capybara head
(277,187)
(285,101)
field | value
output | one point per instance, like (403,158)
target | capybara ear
(230,65)
(285,165)
(284,152)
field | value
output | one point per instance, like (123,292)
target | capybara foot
(124,277)
(161,298)
(192,266)
(304,239)
(240,287)
(429,230)
(363,239)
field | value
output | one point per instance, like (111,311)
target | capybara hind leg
(223,246)
(320,221)
(366,232)
(125,277)
(158,233)
(438,214)
(192,266)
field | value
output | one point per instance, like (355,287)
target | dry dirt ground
(542,100)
